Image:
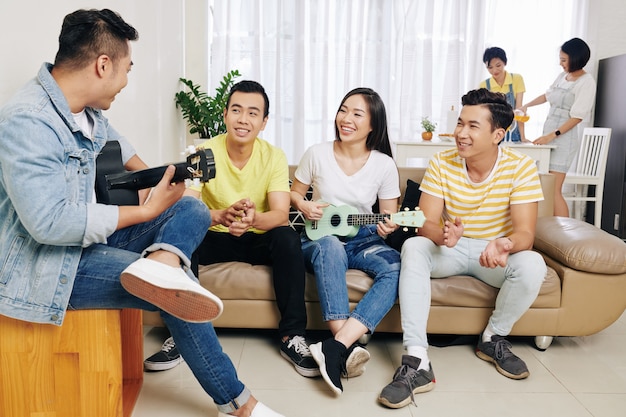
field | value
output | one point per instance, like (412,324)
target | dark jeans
(279,248)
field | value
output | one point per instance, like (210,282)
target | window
(421,56)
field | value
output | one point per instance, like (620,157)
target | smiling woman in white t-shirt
(356,170)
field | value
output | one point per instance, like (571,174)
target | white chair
(590,169)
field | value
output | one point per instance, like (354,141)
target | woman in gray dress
(571,97)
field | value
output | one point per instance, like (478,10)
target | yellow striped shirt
(485,207)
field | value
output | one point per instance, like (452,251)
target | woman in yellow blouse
(501,81)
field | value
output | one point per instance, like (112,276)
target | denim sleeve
(101,223)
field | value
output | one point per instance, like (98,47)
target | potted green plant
(429,128)
(204,114)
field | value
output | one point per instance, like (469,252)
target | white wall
(172,43)
(144,111)
(606,28)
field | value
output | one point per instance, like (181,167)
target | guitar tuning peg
(405,229)
(406,209)
(189,150)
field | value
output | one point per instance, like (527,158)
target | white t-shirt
(584,90)
(377,179)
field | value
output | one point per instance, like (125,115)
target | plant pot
(427,135)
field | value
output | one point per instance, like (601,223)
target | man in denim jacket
(60,249)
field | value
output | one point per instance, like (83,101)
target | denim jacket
(47,178)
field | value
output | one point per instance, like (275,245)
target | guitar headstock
(414,218)
(201,165)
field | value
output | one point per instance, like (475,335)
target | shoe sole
(184,304)
(503,371)
(319,357)
(307,372)
(162,366)
(408,400)
(355,365)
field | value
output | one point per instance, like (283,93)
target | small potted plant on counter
(429,128)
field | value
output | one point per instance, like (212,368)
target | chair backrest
(593,152)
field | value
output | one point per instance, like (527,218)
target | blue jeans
(330,257)
(97,286)
(519,282)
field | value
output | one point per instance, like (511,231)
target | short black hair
(494,52)
(247,86)
(501,110)
(87,34)
(578,52)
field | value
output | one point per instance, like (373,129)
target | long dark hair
(378,138)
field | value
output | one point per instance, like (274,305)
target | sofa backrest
(546,207)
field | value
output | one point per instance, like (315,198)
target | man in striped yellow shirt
(480,201)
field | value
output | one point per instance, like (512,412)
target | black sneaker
(357,357)
(330,355)
(296,351)
(407,381)
(498,352)
(166,359)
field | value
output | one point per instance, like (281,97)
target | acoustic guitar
(115,185)
(346,220)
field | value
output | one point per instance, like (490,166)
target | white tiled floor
(574,377)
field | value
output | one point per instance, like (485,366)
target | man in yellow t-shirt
(480,202)
(249,202)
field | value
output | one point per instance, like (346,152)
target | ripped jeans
(330,257)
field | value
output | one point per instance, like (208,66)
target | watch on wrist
(557,132)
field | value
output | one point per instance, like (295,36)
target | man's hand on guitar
(387,227)
(165,193)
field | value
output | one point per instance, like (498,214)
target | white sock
(419,352)
(487,333)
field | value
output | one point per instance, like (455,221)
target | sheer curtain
(421,56)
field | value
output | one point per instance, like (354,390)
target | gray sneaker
(407,381)
(498,352)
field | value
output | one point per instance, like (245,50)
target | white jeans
(519,282)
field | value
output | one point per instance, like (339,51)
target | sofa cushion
(242,281)
(296,218)
(580,245)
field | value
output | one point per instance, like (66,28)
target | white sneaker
(260,410)
(171,290)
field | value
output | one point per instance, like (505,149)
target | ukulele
(115,185)
(345,221)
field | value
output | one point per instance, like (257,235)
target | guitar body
(346,220)
(107,163)
(334,221)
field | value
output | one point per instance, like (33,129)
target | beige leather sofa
(584,290)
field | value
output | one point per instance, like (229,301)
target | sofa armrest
(580,246)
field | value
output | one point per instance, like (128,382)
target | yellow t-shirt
(515,79)
(484,208)
(266,171)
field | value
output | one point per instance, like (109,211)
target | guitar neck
(363,219)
